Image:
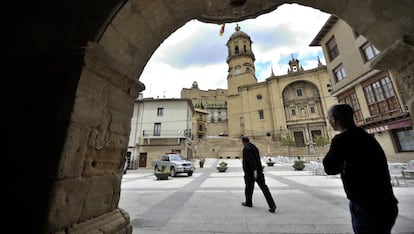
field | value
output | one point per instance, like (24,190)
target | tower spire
(319,62)
(240,61)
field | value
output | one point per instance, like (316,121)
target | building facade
(214,102)
(159,126)
(292,105)
(374,94)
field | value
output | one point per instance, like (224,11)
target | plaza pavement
(209,202)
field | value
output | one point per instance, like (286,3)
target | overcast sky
(196,51)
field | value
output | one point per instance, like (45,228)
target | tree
(320,140)
(288,141)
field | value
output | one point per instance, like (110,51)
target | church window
(236,50)
(245,48)
(237,71)
(261,114)
(312,109)
(259,97)
(293,111)
(299,92)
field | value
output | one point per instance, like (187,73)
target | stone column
(86,192)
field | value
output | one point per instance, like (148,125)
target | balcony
(147,135)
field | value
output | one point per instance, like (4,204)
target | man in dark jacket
(361,161)
(253,171)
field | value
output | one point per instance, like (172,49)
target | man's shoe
(246,204)
(272,209)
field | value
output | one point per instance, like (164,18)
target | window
(332,48)
(381,99)
(299,92)
(261,114)
(237,70)
(245,49)
(312,109)
(293,111)
(387,86)
(379,94)
(404,139)
(295,69)
(369,95)
(160,111)
(339,73)
(236,50)
(369,51)
(157,129)
(352,100)
(259,96)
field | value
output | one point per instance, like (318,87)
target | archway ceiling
(55,25)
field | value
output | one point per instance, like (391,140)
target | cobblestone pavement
(209,202)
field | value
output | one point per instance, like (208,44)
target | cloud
(196,52)
(195,44)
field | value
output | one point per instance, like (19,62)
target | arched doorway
(304,112)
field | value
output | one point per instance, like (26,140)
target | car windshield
(176,157)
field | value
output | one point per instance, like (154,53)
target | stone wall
(232,147)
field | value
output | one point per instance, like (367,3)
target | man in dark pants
(361,161)
(253,171)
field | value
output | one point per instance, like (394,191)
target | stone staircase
(227,147)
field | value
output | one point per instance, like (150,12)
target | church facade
(292,105)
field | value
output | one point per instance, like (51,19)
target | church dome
(239,33)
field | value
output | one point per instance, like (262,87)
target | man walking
(253,171)
(361,161)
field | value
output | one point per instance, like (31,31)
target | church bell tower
(240,61)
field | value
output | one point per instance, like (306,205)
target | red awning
(401,123)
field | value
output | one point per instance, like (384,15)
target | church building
(294,104)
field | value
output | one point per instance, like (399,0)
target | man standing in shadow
(253,172)
(362,163)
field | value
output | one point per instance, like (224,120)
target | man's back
(362,164)
(251,158)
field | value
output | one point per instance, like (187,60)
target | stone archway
(71,76)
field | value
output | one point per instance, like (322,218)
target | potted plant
(222,167)
(162,173)
(270,162)
(202,161)
(298,164)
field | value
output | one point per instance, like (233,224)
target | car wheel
(173,173)
(155,169)
(190,173)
